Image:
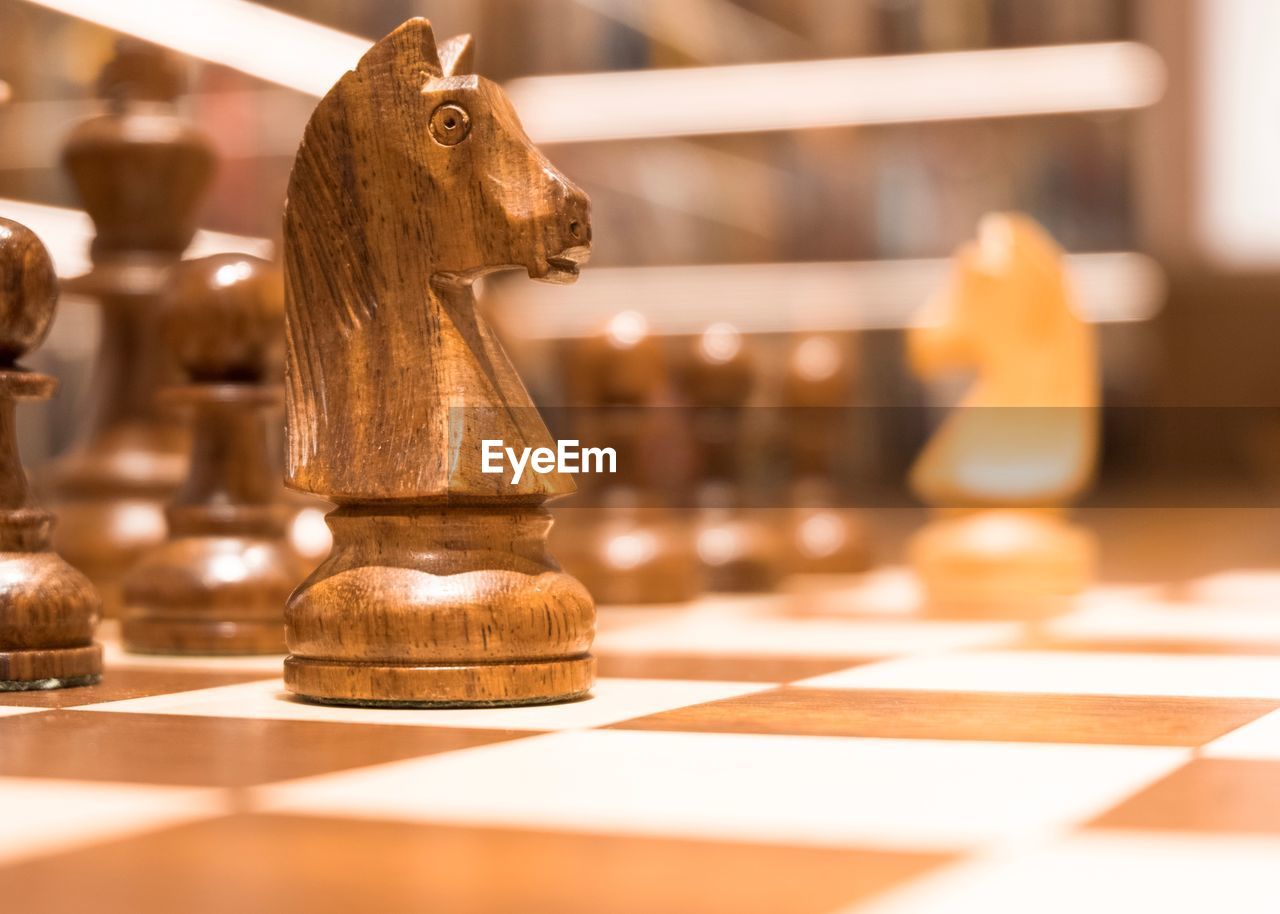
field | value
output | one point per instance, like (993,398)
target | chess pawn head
(28,291)
(48,610)
(140,170)
(225,319)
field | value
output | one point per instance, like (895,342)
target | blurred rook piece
(140,171)
(48,610)
(817,396)
(219,583)
(737,550)
(620,540)
(1022,443)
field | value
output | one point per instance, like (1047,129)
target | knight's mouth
(565,266)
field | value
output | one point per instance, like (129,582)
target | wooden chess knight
(413,179)
(1022,444)
(48,610)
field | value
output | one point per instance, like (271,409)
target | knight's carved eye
(450,124)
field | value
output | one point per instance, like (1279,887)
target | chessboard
(824,748)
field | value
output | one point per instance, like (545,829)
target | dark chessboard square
(286,864)
(209,751)
(727,668)
(1208,794)
(999,717)
(121,684)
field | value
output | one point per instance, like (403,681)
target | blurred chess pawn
(48,610)
(739,552)
(141,172)
(1023,442)
(219,583)
(817,386)
(619,539)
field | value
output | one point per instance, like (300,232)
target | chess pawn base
(48,610)
(738,552)
(457,606)
(211,594)
(1013,563)
(641,556)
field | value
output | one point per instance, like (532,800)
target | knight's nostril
(575,229)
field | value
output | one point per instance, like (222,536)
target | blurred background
(775,168)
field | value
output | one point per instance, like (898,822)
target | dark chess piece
(219,583)
(619,539)
(48,610)
(439,589)
(738,550)
(141,172)
(825,538)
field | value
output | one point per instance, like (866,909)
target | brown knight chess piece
(48,610)
(141,172)
(414,178)
(218,584)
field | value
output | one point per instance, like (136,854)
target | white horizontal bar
(791,297)
(253,39)
(687,101)
(67,234)
(835,93)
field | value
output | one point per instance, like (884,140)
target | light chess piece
(218,584)
(48,609)
(141,172)
(1022,444)
(413,179)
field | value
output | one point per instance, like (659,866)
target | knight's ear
(458,55)
(409,52)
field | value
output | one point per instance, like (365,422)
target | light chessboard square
(1068,673)
(914,795)
(611,700)
(1102,872)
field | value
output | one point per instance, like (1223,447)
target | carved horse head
(414,177)
(1026,432)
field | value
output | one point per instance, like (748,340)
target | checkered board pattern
(826,749)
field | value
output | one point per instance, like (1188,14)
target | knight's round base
(1002,564)
(478,685)
(200,637)
(57,668)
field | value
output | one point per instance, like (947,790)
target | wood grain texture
(906,714)
(1022,443)
(318,865)
(141,172)
(48,610)
(414,178)
(219,582)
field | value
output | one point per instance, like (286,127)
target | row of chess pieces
(440,589)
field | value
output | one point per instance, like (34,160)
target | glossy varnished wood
(140,171)
(48,610)
(413,179)
(219,582)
